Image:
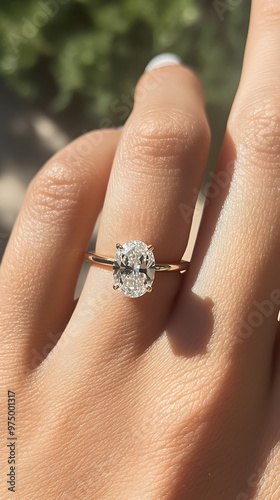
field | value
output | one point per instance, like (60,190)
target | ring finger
(158,166)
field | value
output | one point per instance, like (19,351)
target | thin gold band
(101,261)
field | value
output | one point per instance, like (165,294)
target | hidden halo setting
(134,267)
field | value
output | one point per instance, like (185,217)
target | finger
(42,261)
(158,166)
(241,267)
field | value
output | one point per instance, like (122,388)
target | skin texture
(175,395)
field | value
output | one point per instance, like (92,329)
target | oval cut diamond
(134,268)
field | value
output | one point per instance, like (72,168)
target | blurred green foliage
(95,50)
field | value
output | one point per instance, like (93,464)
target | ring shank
(101,261)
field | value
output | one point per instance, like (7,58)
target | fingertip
(161,60)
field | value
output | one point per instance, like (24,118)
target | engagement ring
(134,267)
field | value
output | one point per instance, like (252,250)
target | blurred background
(68,66)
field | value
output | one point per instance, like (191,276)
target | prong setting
(116,286)
(151,248)
(134,268)
(119,246)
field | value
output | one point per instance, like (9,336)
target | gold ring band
(134,267)
(102,261)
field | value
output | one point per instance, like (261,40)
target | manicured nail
(161,60)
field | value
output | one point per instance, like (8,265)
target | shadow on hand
(191,330)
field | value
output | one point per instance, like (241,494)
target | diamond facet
(134,268)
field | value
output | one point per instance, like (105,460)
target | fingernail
(166,59)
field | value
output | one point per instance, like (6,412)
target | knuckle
(270,12)
(256,132)
(54,191)
(164,134)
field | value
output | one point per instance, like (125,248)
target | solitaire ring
(134,267)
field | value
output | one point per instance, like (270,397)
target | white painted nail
(161,60)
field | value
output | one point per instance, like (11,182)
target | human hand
(174,395)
